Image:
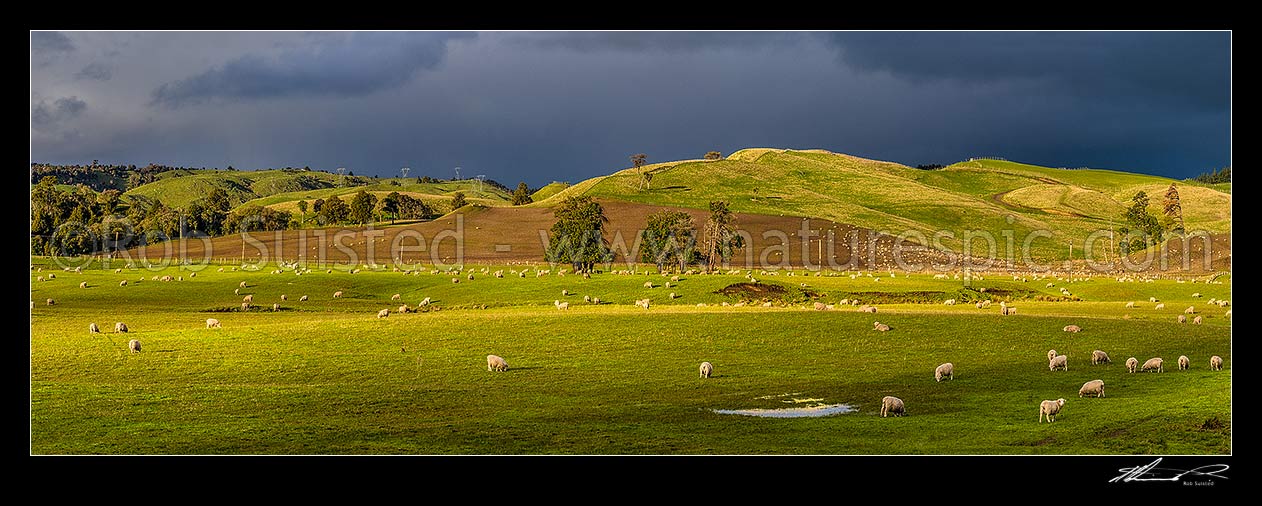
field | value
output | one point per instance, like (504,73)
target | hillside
(974,195)
(549,190)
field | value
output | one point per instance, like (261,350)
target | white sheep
(404,309)
(1132,364)
(1050,409)
(820,306)
(891,405)
(648,284)
(946,370)
(496,363)
(880,326)
(424,302)
(674,278)
(565,293)
(337,294)
(1190,310)
(470,276)
(383,313)
(455,280)
(673,295)
(1130,304)
(1215,363)
(1183,319)
(275,307)
(245,306)
(1058,362)
(303,298)
(134,345)
(236,291)
(1099,357)
(93,328)
(242,284)
(561,305)
(83,284)
(122,283)
(1153,364)
(1072,328)
(950,302)
(1197,320)
(1051,354)
(1184,362)
(1227,314)
(1152,299)
(1196,295)
(50,302)
(706,369)
(248,298)
(1160,306)
(396,297)
(120,327)
(212,323)
(867,309)
(1094,388)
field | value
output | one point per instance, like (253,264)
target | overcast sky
(545,106)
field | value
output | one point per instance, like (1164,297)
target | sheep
(1196,295)
(396,297)
(820,306)
(1227,314)
(404,309)
(648,284)
(455,280)
(1130,305)
(1058,362)
(39,278)
(561,305)
(1153,364)
(275,307)
(946,370)
(674,278)
(496,363)
(383,313)
(245,306)
(424,302)
(950,302)
(891,405)
(93,328)
(1051,354)
(337,294)
(134,345)
(706,369)
(867,309)
(50,302)
(596,300)
(236,291)
(470,276)
(1190,310)
(83,284)
(1197,320)
(120,327)
(1153,299)
(1050,409)
(1131,364)
(303,298)
(284,297)
(565,293)
(1007,310)
(1100,357)
(1160,306)
(192,275)
(1183,319)
(1073,328)
(1215,363)
(666,284)
(880,326)
(122,283)
(1184,362)
(1094,388)
(243,284)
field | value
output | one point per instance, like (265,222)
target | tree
(315,206)
(669,237)
(302,206)
(577,237)
(637,161)
(1173,209)
(458,201)
(390,206)
(714,155)
(334,211)
(720,239)
(1145,224)
(362,207)
(522,194)
(411,208)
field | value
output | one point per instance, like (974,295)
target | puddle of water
(809,411)
(795,400)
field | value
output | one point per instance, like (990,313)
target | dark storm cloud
(47,117)
(1175,68)
(94,72)
(334,66)
(44,43)
(655,41)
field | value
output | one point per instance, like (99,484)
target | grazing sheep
(284,297)
(83,284)
(1130,304)
(122,283)
(1183,319)
(648,284)
(496,363)
(1160,306)
(1153,364)
(245,306)
(337,294)
(1073,328)
(1100,357)
(867,309)
(134,345)
(383,313)
(275,307)
(1215,363)
(424,302)
(243,284)
(891,405)
(565,293)
(236,291)
(596,300)
(1058,362)
(946,370)
(248,298)
(561,305)
(1007,310)
(39,278)
(212,323)
(880,326)
(1051,354)
(120,327)
(1197,320)
(471,276)
(1184,362)
(820,306)
(1190,310)
(303,298)
(1050,409)
(192,275)
(93,328)
(673,295)
(674,278)
(455,280)
(1227,314)
(1131,364)
(396,297)
(950,302)
(1196,295)
(50,302)
(1094,388)
(706,369)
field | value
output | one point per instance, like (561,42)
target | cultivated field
(326,376)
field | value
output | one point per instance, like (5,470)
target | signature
(1151,472)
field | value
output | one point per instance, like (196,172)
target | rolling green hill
(989,195)
(549,190)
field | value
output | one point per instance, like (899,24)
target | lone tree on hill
(720,239)
(522,194)
(458,201)
(713,155)
(577,237)
(637,161)
(1173,209)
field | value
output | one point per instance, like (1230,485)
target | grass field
(328,377)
